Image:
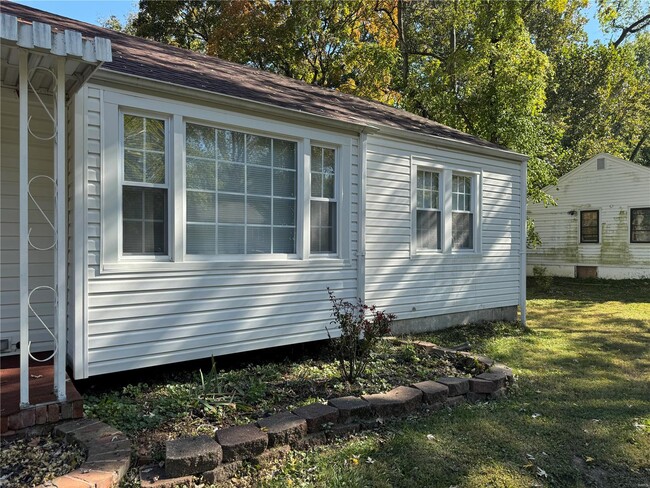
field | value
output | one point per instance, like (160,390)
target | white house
(205,206)
(601,224)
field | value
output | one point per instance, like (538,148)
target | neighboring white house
(601,224)
(210,205)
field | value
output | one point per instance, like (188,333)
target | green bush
(542,279)
(361,326)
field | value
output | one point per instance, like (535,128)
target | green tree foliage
(519,73)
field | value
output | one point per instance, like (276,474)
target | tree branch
(634,27)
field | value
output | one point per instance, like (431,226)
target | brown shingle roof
(157,61)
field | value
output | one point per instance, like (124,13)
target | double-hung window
(640,225)
(323,204)
(240,192)
(462,217)
(589,227)
(428,220)
(144,185)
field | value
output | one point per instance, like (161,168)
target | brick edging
(108,454)
(217,459)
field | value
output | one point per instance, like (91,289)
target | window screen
(589,226)
(323,205)
(428,210)
(640,225)
(462,217)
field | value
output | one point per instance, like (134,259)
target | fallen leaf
(34,442)
(541,472)
(535,415)
(589,459)
(370,460)
(530,456)
(431,437)
(36,376)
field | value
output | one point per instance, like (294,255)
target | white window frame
(446,171)
(114,100)
(299,182)
(338,197)
(123,182)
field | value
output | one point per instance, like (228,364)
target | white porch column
(60,270)
(23,226)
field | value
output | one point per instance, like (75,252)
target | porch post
(23,226)
(61,233)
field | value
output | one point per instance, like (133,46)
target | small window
(144,186)
(640,225)
(462,217)
(589,227)
(323,200)
(428,210)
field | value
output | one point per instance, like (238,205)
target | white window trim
(167,185)
(446,172)
(177,113)
(338,199)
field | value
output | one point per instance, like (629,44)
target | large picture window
(323,200)
(589,227)
(144,185)
(640,225)
(462,217)
(240,193)
(428,210)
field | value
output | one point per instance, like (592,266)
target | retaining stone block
(154,476)
(241,442)
(397,402)
(454,401)
(484,360)
(341,430)
(191,455)
(317,415)
(66,410)
(474,397)
(311,440)
(53,413)
(502,368)
(351,407)
(498,378)
(271,455)
(457,386)
(40,414)
(96,479)
(222,473)
(433,391)
(283,428)
(477,385)
(500,393)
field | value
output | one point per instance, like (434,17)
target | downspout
(524,240)
(361,243)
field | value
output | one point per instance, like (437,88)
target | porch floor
(44,407)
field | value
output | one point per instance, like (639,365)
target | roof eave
(107,75)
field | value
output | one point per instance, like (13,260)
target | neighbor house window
(640,225)
(462,217)
(428,210)
(589,226)
(240,193)
(144,185)
(323,200)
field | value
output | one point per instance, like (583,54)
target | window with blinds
(462,217)
(144,185)
(323,200)
(428,210)
(240,193)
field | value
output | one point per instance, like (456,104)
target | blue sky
(93,11)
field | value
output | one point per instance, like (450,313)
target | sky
(94,11)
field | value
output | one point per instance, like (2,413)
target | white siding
(183,311)
(40,262)
(612,191)
(413,285)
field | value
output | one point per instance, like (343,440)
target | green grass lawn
(579,415)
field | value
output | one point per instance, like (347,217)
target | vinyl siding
(40,262)
(612,191)
(422,285)
(181,311)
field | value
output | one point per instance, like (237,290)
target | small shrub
(361,326)
(542,279)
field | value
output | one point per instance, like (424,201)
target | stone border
(218,459)
(108,455)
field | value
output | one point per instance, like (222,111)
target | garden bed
(193,402)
